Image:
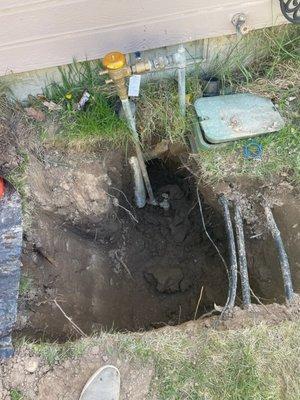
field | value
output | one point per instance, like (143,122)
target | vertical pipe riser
(283,258)
(232,254)
(139,187)
(130,118)
(139,153)
(243,265)
(182,80)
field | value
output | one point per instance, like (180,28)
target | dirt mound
(33,377)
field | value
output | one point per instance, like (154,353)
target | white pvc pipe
(131,121)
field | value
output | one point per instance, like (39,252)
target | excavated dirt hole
(126,275)
(108,271)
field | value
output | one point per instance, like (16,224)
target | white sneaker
(103,385)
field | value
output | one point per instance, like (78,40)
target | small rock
(38,115)
(185,284)
(105,358)
(119,363)
(32,365)
(166,279)
(94,350)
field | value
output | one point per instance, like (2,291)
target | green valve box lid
(236,116)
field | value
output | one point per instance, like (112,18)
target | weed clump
(98,120)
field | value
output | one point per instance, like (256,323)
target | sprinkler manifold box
(222,119)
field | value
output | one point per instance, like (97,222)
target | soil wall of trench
(109,265)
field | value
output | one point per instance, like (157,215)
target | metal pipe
(181,59)
(240,239)
(166,63)
(139,187)
(283,258)
(130,118)
(232,255)
(131,121)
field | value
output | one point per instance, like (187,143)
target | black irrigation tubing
(232,258)
(283,258)
(240,240)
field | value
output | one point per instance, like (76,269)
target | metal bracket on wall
(291,10)
(239,21)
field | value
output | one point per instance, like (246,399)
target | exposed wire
(207,234)
(198,303)
(76,327)
(117,204)
(124,195)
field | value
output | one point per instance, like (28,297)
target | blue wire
(253,150)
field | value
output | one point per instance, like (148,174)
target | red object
(2,187)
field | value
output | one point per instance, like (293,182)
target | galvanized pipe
(242,258)
(139,188)
(232,258)
(177,60)
(131,121)
(181,59)
(283,258)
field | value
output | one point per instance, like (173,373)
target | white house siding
(37,34)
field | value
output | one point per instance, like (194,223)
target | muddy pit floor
(130,276)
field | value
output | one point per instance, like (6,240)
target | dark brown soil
(105,269)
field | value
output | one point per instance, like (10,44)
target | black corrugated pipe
(232,255)
(240,240)
(283,258)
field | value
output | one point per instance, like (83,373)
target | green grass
(255,55)
(55,353)
(98,120)
(259,363)
(25,285)
(15,394)
(158,115)
(17,176)
(255,363)
(281,156)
